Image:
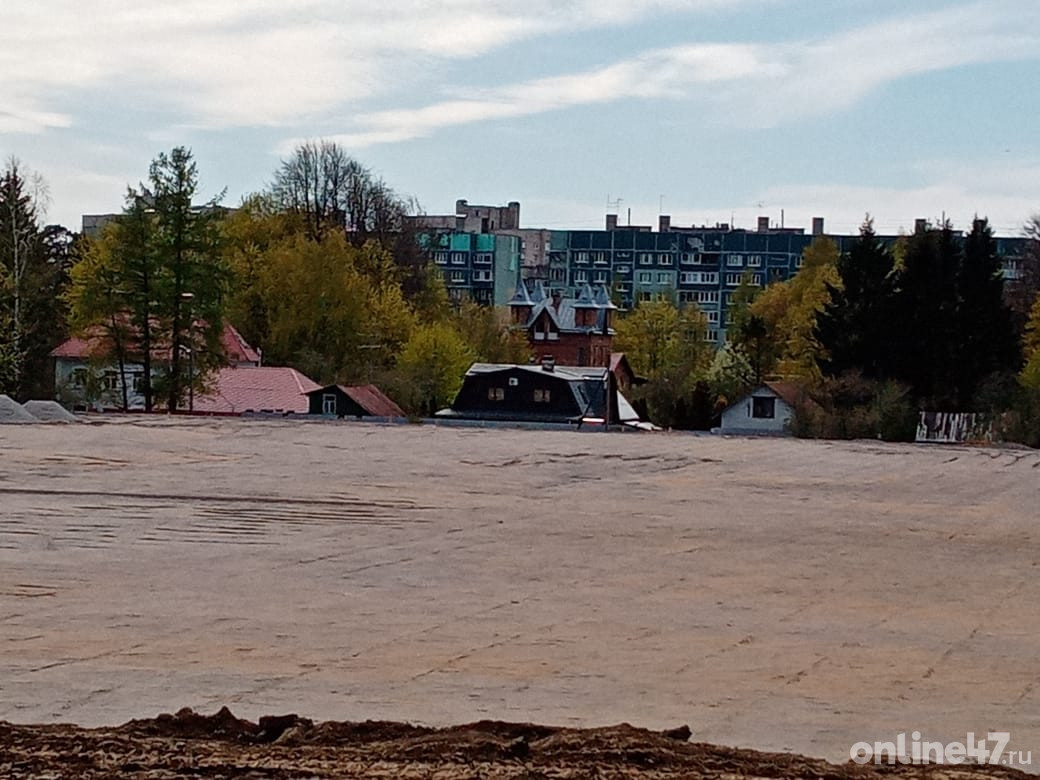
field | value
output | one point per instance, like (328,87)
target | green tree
(316,303)
(809,294)
(486,330)
(192,292)
(855,328)
(98,303)
(34,263)
(432,366)
(667,345)
(156,282)
(1030,375)
(986,341)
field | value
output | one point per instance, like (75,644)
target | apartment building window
(705,277)
(646,258)
(755,261)
(441,258)
(713,317)
(600,278)
(756,279)
(482,276)
(580,277)
(581,257)
(665,258)
(798,262)
(458,258)
(734,261)
(688,258)
(686,278)
(664,278)
(458,277)
(645,277)
(686,296)
(557,274)
(707,296)
(733,279)
(483,258)
(624,269)
(712,336)
(599,258)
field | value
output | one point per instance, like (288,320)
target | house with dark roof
(766,410)
(572,331)
(543,393)
(351,401)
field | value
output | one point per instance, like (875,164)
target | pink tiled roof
(95,342)
(78,347)
(236,348)
(257,389)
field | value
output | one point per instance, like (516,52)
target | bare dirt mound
(191,745)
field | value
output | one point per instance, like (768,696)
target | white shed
(766,410)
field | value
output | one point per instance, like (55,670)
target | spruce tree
(986,342)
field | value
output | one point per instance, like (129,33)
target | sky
(706,110)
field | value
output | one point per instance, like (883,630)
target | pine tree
(986,340)
(853,330)
(192,288)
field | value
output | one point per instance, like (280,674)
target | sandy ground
(776,594)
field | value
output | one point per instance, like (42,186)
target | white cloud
(771,83)
(259,62)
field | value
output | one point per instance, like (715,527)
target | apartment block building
(697,264)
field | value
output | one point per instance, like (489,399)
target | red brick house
(573,331)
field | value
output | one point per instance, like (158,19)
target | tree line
(871,336)
(322,271)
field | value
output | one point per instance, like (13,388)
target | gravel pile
(49,411)
(12,412)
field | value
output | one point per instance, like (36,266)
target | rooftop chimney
(763,224)
(548,363)
(664,223)
(817,226)
(611,221)
(920,225)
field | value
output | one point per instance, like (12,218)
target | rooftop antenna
(616,203)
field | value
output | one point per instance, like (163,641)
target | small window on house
(79,377)
(763,408)
(541,396)
(513,381)
(496,393)
(328,403)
